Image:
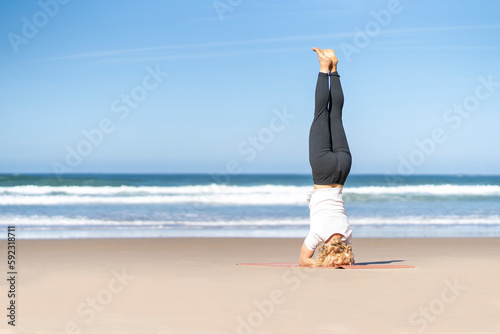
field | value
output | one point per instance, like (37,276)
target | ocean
(44,206)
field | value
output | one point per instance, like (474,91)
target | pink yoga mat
(356,266)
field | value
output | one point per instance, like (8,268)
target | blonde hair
(334,253)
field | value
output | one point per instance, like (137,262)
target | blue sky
(234,85)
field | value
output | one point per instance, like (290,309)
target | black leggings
(329,153)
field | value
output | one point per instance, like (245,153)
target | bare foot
(325,62)
(331,54)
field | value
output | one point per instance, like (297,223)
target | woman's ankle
(324,67)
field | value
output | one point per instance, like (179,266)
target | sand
(193,286)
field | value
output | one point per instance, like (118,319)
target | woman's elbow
(306,261)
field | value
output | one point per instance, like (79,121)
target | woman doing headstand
(330,161)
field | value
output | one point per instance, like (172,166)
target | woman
(330,161)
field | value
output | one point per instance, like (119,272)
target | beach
(193,285)
(160,163)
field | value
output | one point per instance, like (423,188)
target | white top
(328,216)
